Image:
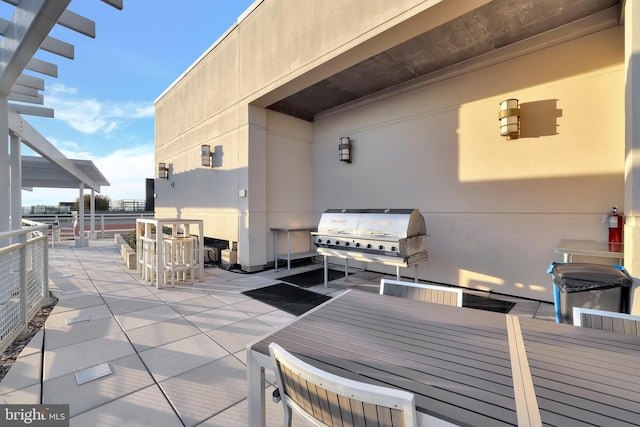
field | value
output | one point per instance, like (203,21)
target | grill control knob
(368,245)
(381,247)
(328,242)
(337,242)
(357,245)
(319,240)
(346,243)
(393,248)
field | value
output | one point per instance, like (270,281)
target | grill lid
(373,223)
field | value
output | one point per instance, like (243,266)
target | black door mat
(485,303)
(288,298)
(312,277)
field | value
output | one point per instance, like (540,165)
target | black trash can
(597,286)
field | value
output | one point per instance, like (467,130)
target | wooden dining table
(465,366)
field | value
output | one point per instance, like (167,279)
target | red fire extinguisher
(616,222)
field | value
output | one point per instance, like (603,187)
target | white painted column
(81,241)
(632,148)
(5,174)
(92,214)
(15,192)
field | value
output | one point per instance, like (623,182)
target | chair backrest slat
(329,400)
(422,292)
(606,321)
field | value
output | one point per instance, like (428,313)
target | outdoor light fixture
(344,149)
(509,118)
(163,171)
(207,156)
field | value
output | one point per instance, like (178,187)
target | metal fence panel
(23,280)
(11,316)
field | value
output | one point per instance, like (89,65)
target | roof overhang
(38,172)
(485,32)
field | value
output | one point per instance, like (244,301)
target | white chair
(147,258)
(422,292)
(606,321)
(179,258)
(325,399)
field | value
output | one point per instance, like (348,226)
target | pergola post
(81,242)
(92,214)
(15,189)
(5,174)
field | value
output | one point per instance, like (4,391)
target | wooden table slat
(431,397)
(457,361)
(432,350)
(478,347)
(380,358)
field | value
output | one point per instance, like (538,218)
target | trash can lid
(575,277)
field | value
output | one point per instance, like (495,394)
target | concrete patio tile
(65,335)
(59,319)
(76,302)
(276,319)
(25,396)
(369,276)
(206,391)
(231,297)
(236,336)
(112,277)
(34,346)
(24,373)
(128,375)
(158,334)
(69,283)
(138,319)
(197,305)
(251,280)
(129,290)
(254,307)
(172,295)
(181,356)
(217,318)
(73,358)
(220,274)
(144,408)
(121,305)
(237,415)
(111,287)
(221,288)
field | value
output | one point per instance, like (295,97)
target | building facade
(275,93)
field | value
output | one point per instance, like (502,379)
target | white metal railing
(65,226)
(24,278)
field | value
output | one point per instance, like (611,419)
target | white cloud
(88,115)
(124,163)
(125,169)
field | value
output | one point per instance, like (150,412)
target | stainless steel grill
(396,237)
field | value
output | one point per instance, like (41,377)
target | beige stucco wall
(494,208)
(279,47)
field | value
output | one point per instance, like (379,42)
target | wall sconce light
(163,171)
(344,149)
(509,118)
(207,157)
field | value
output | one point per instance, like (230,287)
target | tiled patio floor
(177,355)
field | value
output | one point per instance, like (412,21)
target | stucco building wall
(495,208)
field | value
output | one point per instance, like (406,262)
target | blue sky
(103,99)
